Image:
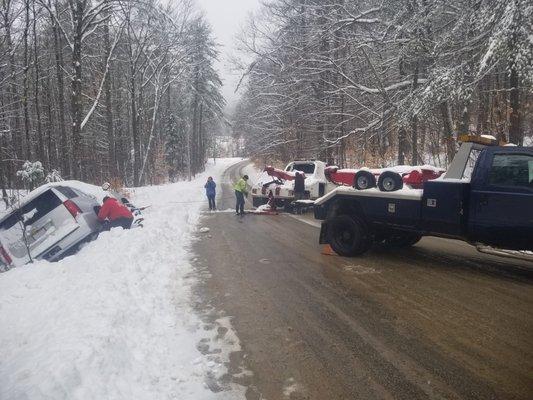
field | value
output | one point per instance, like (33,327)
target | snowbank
(115,321)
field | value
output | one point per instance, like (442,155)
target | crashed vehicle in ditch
(48,223)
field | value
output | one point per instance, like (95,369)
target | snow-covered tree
(32,173)
(379,80)
(86,86)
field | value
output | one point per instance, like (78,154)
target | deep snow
(115,321)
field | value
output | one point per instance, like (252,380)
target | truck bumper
(323,233)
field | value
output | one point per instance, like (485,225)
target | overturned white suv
(281,183)
(48,223)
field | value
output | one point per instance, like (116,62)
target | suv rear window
(33,211)
(68,192)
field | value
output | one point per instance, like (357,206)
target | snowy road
(438,321)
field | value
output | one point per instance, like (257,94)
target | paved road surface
(437,321)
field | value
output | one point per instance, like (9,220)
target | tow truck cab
(485,197)
(495,207)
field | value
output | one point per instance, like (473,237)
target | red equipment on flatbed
(387,179)
(281,174)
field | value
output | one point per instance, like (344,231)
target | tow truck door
(501,203)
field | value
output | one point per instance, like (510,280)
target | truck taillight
(72,208)
(278,190)
(291,193)
(254,191)
(264,190)
(5,256)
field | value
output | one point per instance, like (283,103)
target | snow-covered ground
(115,321)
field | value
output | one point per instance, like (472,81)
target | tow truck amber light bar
(487,140)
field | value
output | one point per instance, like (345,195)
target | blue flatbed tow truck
(485,198)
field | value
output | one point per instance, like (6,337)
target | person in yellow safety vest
(240,193)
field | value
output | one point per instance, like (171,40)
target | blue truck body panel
(445,207)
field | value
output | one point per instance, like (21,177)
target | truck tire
(364,180)
(398,239)
(348,236)
(259,201)
(390,181)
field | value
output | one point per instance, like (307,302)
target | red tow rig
(341,177)
(280,174)
(416,178)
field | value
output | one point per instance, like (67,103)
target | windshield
(307,168)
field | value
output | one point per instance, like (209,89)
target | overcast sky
(226,18)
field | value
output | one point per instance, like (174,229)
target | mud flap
(323,233)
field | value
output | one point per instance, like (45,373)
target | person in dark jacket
(211,193)
(117,213)
(299,186)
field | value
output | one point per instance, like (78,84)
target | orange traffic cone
(328,251)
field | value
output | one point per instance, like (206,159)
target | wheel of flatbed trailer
(348,236)
(390,181)
(364,180)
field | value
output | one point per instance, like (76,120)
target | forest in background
(106,90)
(377,82)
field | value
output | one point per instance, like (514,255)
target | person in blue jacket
(210,192)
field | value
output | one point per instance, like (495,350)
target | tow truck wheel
(364,180)
(259,201)
(390,181)
(348,236)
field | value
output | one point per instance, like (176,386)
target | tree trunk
(465,119)
(41,150)
(414,124)
(515,136)
(52,155)
(483,107)
(66,168)
(135,130)
(76,97)
(109,109)
(448,135)
(25,86)
(401,146)
(13,96)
